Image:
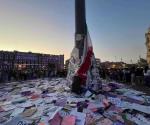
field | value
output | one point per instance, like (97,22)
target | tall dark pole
(80,34)
(80,17)
(80,25)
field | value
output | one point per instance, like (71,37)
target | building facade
(110,65)
(25,60)
(147,36)
(28,62)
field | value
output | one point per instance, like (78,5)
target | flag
(85,67)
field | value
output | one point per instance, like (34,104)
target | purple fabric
(113,86)
(26,93)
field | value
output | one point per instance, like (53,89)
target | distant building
(109,65)
(27,60)
(147,36)
(6,60)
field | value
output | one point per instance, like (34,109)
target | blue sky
(117,27)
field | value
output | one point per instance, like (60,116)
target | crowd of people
(18,75)
(133,75)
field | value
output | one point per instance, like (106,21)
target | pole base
(76,85)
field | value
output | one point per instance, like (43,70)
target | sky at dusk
(117,27)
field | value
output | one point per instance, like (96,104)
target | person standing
(139,76)
(133,76)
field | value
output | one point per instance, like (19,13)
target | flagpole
(80,34)
(82,63)
(80,25)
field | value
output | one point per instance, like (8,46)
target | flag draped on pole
(82,69)
(85,68)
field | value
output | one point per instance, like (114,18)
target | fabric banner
(84,67)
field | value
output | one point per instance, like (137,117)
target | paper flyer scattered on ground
(18,121)
(52,111)
(44,120)
(8,107)
(26,104)
(87,94)
(115,101)
(141,108)
(80,117)
(17,111)
(69,120)
(56,102)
